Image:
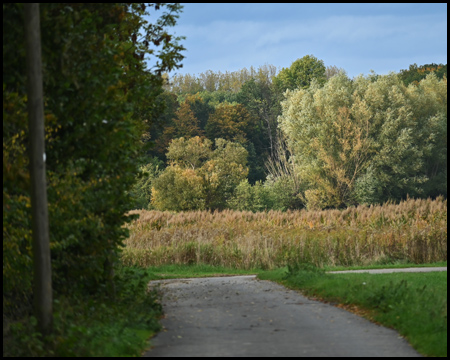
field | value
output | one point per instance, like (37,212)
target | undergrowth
(92,326)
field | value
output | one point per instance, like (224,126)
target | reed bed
(413,231)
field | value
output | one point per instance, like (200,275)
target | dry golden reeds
(413,231)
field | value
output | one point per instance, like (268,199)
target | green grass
(178,271)
(415,304)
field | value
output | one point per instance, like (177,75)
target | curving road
(244,316)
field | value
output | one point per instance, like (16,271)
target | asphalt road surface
(385,271)
(244,316)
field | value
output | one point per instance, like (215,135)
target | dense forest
(308,136)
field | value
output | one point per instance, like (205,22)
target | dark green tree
(260,100)
(162,126)
(415,73)
(99,102)
(200,108)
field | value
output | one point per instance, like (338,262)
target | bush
(97,326)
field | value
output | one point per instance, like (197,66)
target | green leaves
(301,73)
(99,104)
(189,153)
(366,140)
(141,191)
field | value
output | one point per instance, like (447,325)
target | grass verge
(415,304)
(178,271)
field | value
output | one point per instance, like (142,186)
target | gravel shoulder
(244,316)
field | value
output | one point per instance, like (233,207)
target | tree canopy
(301,73)
(415,73)
(367,140)
(328,140)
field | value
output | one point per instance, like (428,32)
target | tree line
(313,137)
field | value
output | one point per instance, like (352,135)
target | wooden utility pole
(41,247)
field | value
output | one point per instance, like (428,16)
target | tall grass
(413,231)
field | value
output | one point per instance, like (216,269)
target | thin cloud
(231,45)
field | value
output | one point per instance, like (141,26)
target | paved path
(243,316)
(385,271)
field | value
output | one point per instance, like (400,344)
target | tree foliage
(259,99)
(211,81)
(99,102)
(355,140)
(224,171)
(333,70)
(199,177)
(350,143)
(158,139)
(186,123)
(230,122)
(416,73)
(201,109)
(301,73)
(189,153)
(141,190)
(367,140)
(215,97)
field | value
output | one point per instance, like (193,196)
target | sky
(356,37)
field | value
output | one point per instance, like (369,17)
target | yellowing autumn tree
(223,172)
(189,153)
(199,177)
(230,122)
(366,140)
(186,123)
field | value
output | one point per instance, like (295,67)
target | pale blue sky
(355,37)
